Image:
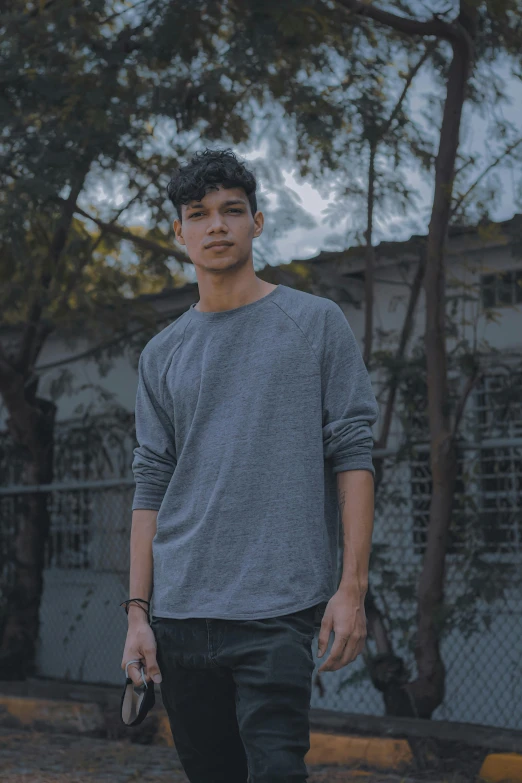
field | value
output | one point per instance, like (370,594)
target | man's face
(222,215)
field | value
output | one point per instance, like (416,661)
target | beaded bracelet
(129,600)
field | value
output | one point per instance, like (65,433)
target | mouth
(220,246)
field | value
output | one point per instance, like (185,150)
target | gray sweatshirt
(243,419)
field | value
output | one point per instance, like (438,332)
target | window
(488,494)
(501,498)
(498,405)
(498,414)
(501,289)
(421,488)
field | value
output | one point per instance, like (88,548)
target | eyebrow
(224,204)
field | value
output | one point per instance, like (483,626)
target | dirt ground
(37,757)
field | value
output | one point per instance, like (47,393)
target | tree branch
(411,75)
(148,244)
(75,276)
(26,355)
(40,8)
(407,327)
(486,171)
(7,371)
(93,350)
(119,13)
(461,405)
(402,24)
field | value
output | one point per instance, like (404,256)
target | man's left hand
(345,616)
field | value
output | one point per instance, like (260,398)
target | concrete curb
(91,719)
(373,752)
(326,748)
(502,768)
(46,714)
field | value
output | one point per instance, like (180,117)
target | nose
(217,222)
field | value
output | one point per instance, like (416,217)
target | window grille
(421,488)
(498,405)
(498,412)
(501,289)
(488,493)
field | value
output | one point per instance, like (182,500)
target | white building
(82,625)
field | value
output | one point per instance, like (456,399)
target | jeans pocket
(303,623)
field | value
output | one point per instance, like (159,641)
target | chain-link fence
(86,576)
(481,625)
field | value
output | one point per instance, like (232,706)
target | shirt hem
(254,616)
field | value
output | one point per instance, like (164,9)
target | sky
(301,243)
(305,241)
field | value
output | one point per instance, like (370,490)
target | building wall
(391,294)
(93,649)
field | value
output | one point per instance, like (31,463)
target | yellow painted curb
(502,768)
(335,749)
(163,735)
(373,752)
(325,748)
(58,714)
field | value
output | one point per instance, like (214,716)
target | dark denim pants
(237,694)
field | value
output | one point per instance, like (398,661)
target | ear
(258,221)
(177,231)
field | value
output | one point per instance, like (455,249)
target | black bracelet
(129,600)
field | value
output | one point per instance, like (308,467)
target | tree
(478,33)
(463,48)
(95,96)
(116,96)
(86,90)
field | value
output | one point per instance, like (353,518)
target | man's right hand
(141,645)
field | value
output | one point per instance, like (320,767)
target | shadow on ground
(38,757)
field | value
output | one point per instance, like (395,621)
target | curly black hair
(205,171)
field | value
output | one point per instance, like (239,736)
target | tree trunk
(387,671)
(31,423)
(427,691)
(370,258)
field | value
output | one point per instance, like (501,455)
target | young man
(253,417)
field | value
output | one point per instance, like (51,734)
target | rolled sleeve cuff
(356,464)
(148,496)
(355,459)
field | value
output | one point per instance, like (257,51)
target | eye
(232,209)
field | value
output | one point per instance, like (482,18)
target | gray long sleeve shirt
(243,419)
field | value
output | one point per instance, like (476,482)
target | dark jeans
(237,694)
